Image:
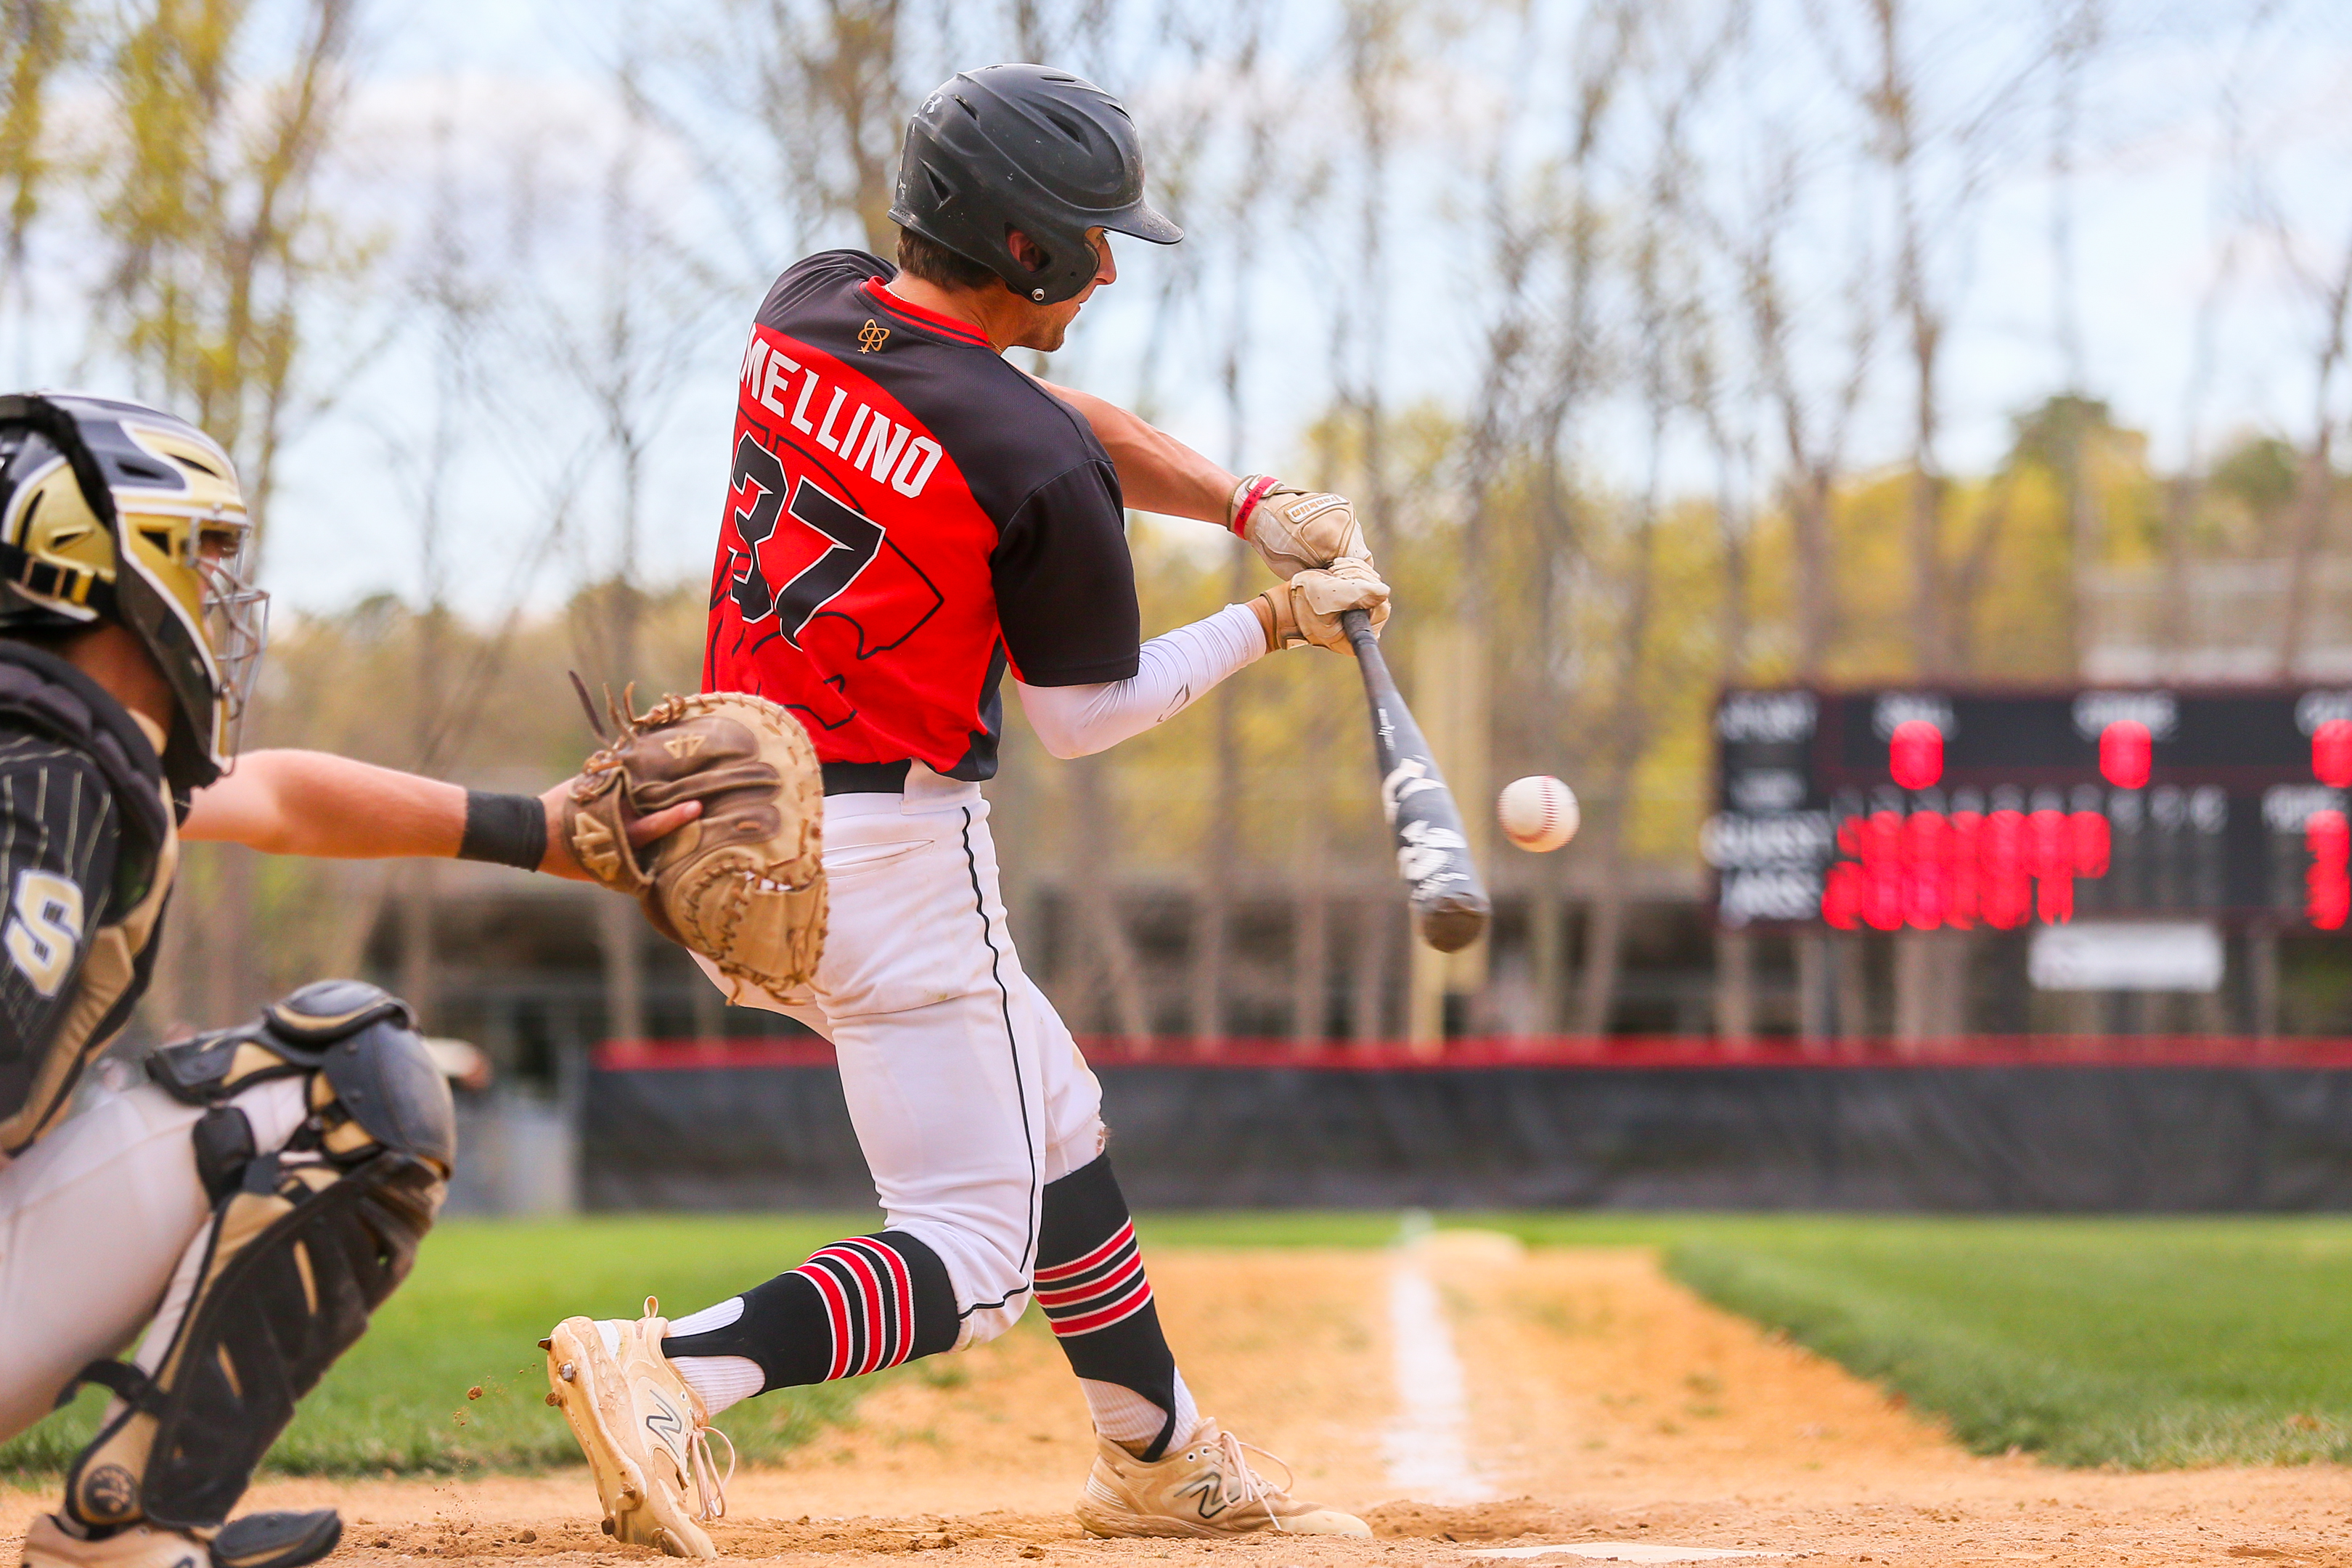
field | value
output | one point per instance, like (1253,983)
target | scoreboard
(1925,809)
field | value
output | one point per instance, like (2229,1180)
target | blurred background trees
(1662,345)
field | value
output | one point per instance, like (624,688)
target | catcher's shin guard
(305,1242)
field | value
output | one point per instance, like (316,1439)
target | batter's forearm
(1175,670)
(317,803)
(1157,472)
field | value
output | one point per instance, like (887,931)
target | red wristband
(1257,493)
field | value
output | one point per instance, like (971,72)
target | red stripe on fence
(1616,1051)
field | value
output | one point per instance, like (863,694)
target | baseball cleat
(50,1544)
(645,1432)
(1205,1488)
(257,1541)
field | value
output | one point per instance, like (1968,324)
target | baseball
(1537,814)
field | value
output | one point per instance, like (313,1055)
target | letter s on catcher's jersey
(908,516)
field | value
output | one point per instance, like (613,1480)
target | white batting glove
(1307,608)
(1295,530)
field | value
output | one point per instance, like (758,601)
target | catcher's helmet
(1024,147)
(111,510)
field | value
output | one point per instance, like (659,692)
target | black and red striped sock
(856,1306)
(1091,1283)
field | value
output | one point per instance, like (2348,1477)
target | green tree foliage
(37,43)
(216,234)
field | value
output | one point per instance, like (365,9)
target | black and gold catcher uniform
(253,1203)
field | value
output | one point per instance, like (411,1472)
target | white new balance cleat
(1204,1486)
(645,1432)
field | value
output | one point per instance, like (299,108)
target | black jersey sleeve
(1066,585)
(60,837)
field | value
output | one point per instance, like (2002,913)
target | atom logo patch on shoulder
(108,1493)
(872,336)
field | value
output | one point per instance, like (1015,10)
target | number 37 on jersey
(802,550)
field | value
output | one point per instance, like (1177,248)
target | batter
(911,521)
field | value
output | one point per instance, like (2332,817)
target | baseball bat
(1449,901)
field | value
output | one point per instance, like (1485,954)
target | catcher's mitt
(743,884)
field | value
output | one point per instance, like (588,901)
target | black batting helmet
(1028,148)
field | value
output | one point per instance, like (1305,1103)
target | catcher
(265,1191)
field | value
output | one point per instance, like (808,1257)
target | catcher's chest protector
(43,695)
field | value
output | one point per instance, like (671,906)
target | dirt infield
(1601,1404)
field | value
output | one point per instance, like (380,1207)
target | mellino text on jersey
(837,421)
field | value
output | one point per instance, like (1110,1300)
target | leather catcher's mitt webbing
(743,884)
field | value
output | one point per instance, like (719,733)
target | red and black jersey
(909,515)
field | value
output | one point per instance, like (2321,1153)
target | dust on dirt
(1603,1404)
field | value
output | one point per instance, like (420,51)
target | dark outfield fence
(2018,1124)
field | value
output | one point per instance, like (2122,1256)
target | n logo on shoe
(666,1423)
(1212,1491)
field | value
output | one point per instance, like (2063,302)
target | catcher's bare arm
(321,805)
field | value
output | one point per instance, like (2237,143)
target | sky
(2189,134)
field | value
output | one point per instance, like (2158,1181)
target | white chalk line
(1623,1552)
(1427,1454)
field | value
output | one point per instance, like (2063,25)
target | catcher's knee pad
(306,1240)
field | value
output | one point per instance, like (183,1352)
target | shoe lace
(1238,1482)
(710,1486)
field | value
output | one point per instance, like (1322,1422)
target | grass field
(482,1293)
(2142,1343)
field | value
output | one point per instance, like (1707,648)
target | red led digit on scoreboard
(1925,840)
(2006,896)
(1882,866)
(2125,749)
(2094,842)
(2331,752)
(1915,754)
(1841,895)
(1961,894)
(2328,883)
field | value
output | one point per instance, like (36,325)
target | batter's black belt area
(865,778)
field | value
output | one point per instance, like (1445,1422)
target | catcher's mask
(112,512)
(1025,147)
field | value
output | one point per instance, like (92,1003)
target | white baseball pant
(966,1090)
(97,1220)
